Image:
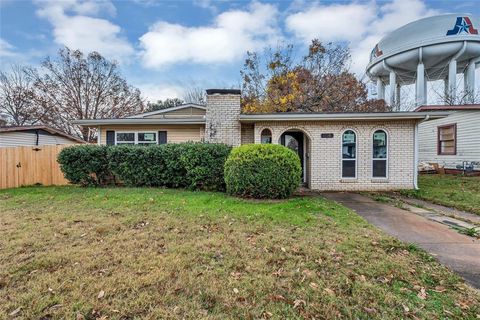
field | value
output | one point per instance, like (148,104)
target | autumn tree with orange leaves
(318,82)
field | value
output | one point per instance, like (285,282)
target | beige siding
(13,139)
(324,154)
(181,113)
(468,139)
(248,133)
(175,133)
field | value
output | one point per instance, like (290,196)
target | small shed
(37,135)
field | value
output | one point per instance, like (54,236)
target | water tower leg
(452,81)
(398,95)
(393,86)
(380,89)
(421,85)
(469,82)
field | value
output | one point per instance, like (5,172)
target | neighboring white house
(34,136)
(454,141)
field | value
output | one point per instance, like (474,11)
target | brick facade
(324,155)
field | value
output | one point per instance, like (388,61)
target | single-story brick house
(339,151)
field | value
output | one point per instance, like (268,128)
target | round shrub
(262,171)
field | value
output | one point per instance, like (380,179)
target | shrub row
(184,165)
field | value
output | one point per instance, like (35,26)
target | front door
(294,141)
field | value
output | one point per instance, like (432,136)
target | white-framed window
(349,154)
(142,138)
(380,154)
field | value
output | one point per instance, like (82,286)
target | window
(146,138)
(349,154)
(266,136)
(380,154)
(125,138)
(447,140)
(141,138)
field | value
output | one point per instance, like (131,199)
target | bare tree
(17,103)
(74,86)
(195,95)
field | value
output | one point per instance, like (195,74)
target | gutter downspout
(415,152)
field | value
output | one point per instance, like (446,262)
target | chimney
(223,117)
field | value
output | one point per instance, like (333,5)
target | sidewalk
(459,252)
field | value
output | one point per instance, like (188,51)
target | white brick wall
(324,154)
(222,119)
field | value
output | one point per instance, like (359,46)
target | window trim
(355,159)
(439,146)
(386,158)
(135,134)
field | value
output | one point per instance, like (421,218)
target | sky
(164,47)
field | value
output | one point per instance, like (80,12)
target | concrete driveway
(459,252)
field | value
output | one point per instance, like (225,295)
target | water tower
(430,49)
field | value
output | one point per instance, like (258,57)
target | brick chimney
(223,117)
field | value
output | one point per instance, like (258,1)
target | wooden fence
(23,166)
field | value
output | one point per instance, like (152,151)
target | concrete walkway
(459,252)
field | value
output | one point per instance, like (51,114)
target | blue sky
(165,46)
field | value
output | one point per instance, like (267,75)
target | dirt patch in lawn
(151,253)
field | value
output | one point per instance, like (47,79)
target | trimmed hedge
(86,165)
(262,171)
(185,165)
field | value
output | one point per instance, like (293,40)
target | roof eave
(343,117)
(139,121)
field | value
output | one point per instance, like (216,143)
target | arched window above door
(266,136)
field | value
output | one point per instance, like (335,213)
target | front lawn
(450,190)
(131,253)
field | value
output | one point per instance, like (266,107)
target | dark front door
(294,141)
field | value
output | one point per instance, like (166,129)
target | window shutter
(110,137)
(162,137)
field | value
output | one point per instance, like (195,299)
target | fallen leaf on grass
(422,294)
(235,290)
(313,285)
(101,294)
(329,291)
(439,289)
(15,312)
(297,303)
(369,310)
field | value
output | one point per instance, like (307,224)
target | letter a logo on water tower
(463,24)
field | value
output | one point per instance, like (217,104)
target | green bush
(185,165)
(86,165)
(262,171)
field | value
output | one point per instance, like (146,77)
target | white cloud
(154,92)
(332,22)
(361,25)
(6,49)
(232,33)
(74,27)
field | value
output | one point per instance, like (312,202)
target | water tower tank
(434,48)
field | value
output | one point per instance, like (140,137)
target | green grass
(449,190)
(131,253)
